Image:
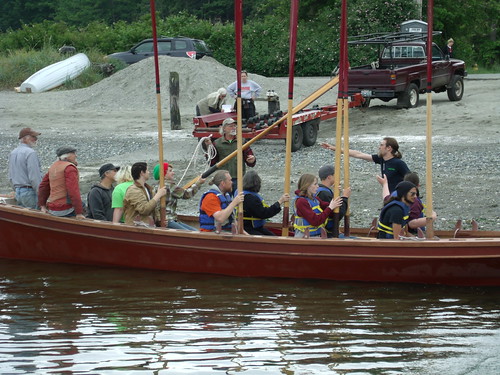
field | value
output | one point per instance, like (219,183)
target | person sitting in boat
(310,212)
(327,177)
(226,145)
(217,205)
(124,180)
(416,217)
(100,195)
(139,203)
(395,214)
(212,103)
(174,193)
(389,158)
(255,210)
(59,191)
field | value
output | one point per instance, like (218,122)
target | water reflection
(73,319)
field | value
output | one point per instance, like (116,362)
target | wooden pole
(238,25)
(428,154)
(175,114)
(294,12)
(345,89)
(158,110)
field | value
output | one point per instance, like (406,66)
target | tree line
(116,25)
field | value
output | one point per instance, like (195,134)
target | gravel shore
(115,121)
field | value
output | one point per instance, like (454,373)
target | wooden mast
(238,28)
(294,12)
(428,153)
(158,111)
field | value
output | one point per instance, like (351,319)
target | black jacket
(99,203)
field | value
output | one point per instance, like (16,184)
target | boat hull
(31,235)
(56,74)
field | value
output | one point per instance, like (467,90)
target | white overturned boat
(56,74)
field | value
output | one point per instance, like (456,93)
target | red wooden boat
(32,235)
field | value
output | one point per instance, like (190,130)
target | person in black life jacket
(310,212)
(394,215)
(217,204)
(255,210)
(416,217)
(448,50)
(327,176)
(389,158)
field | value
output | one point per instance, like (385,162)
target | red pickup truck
(400,72)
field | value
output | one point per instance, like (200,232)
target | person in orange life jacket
(100,195)
(416,217)
(394,215)
(225,146)
(311,212)
(388,157)
(59,191)
(255,210)
(139,203)
(327,176)
(216,205)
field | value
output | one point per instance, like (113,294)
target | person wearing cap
(140,203)
(212,103)
(389,158)
(327,177)
(59,191)
(100,195)
(174,193)
(226,145)
(250,90)
(25,173)
(395,214)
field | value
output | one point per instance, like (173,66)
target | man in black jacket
(99,197)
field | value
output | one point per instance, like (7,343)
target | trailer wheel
(297,137)
(456,89)
(310,133)
(409,98)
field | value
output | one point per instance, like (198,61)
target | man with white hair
(212,103)
(25,173)
(59,191)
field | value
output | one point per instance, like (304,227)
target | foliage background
(106,26)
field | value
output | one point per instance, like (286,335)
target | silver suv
(176,47)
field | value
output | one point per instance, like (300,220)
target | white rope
(209,154)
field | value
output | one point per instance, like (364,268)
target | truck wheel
(310,133)
(297,138)
(409,98)
(456,89)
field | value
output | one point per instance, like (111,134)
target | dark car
(176,47)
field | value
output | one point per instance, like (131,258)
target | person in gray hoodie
(100,195)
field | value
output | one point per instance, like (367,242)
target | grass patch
(17,66)
(476,69)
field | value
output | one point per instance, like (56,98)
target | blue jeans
(26,197)
(178,225)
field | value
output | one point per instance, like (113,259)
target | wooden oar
(311,98)
(158,113)
(294,12)
(429,229)
(238,26)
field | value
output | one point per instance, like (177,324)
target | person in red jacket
(59,191)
